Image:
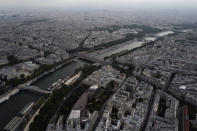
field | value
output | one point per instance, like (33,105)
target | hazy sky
(99,3)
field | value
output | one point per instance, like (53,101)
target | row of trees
(16,81)
(69,103)
(146,29)
(43,68)
(120,41)
(86,70)
(96,103)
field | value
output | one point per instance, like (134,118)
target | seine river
(10,108)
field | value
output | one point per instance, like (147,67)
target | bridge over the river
(35,89)
(92,59)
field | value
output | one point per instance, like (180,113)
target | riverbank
(34,115)
(6,96)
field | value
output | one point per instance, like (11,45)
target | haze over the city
(100,3)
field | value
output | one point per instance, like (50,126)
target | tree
(22,76)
